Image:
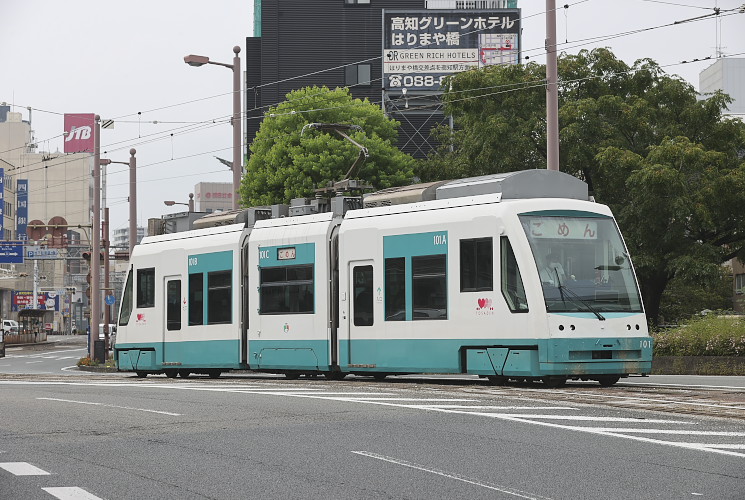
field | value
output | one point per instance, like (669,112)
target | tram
(508,276)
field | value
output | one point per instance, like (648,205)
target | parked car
(2,344)
(10,327)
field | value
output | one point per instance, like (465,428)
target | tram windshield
(583,264)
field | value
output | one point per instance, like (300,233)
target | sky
(123,60)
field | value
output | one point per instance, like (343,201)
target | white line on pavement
(495,487)
(71,493)
(23,469)
(111,406)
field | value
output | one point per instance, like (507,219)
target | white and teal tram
(509,276)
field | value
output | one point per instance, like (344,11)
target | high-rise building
(391,52)
(728,75)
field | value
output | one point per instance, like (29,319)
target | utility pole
(552,89)
(107,290)
(96,244)
(132,201)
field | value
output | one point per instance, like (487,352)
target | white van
(10,327)
(112,333)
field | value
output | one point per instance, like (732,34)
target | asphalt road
(68,435)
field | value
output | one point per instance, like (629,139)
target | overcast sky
(121,58)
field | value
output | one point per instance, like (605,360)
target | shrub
(709,335)
(87,361)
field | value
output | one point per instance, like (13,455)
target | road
(68,435)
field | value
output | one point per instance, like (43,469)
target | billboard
(421,48)
(22,209)
(79,132)
(46,301)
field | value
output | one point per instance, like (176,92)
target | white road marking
(589,419)
(32,362)
(474,407)
(23,469)
(495,487)
(71,493)
(111,406)
(406,399)
(723,446)
(671,431)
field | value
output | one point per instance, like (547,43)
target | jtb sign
(79,132)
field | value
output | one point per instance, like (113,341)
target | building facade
(341,44)
(46,214)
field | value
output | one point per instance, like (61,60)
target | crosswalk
(19,469)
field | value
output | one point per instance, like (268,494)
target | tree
(286,164)
(668,164)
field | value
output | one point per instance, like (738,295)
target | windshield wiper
(576,298)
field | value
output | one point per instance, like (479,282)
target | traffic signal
(87,256)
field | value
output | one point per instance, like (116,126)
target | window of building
(219,308)
(196,299)
(173,305)
(357,2)
(357,74)
(146,287)
(429,287)
(363,295)
(395,289)
(512,282)
(476,265)
(286,290)
(739,283)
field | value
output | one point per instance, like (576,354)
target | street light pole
(237,143)
(132,201)
(194,60)
(96,234)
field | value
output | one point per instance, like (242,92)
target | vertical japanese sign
(421,48)
(22,209)
(79,132)
(2,203)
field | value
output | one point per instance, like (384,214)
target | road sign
(110,299)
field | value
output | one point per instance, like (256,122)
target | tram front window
(582,263)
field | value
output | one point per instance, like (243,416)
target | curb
(698,365)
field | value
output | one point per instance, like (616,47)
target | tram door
(361,310)
(173,299)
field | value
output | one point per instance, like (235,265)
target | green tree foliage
(669,165)
(285,164)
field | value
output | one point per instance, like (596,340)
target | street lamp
(194,60)
(171,203)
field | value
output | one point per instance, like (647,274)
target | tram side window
(512,282)
(173,305)
(476,265)
(146,287)
(429,287)
(286,290)
(219,307)
(196,299)
(363,295)
(126,310)
(395,289)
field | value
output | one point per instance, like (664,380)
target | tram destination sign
(421,48)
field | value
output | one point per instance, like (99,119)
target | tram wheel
(171,373)
(292,375)
(334,375)
(379,376)
(184,373)
(608,380)
(141,374)
(214,373)
(554,381)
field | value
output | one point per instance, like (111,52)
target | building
(120,238)
(213,196)
(338,43)
(43,194)
(728,75)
